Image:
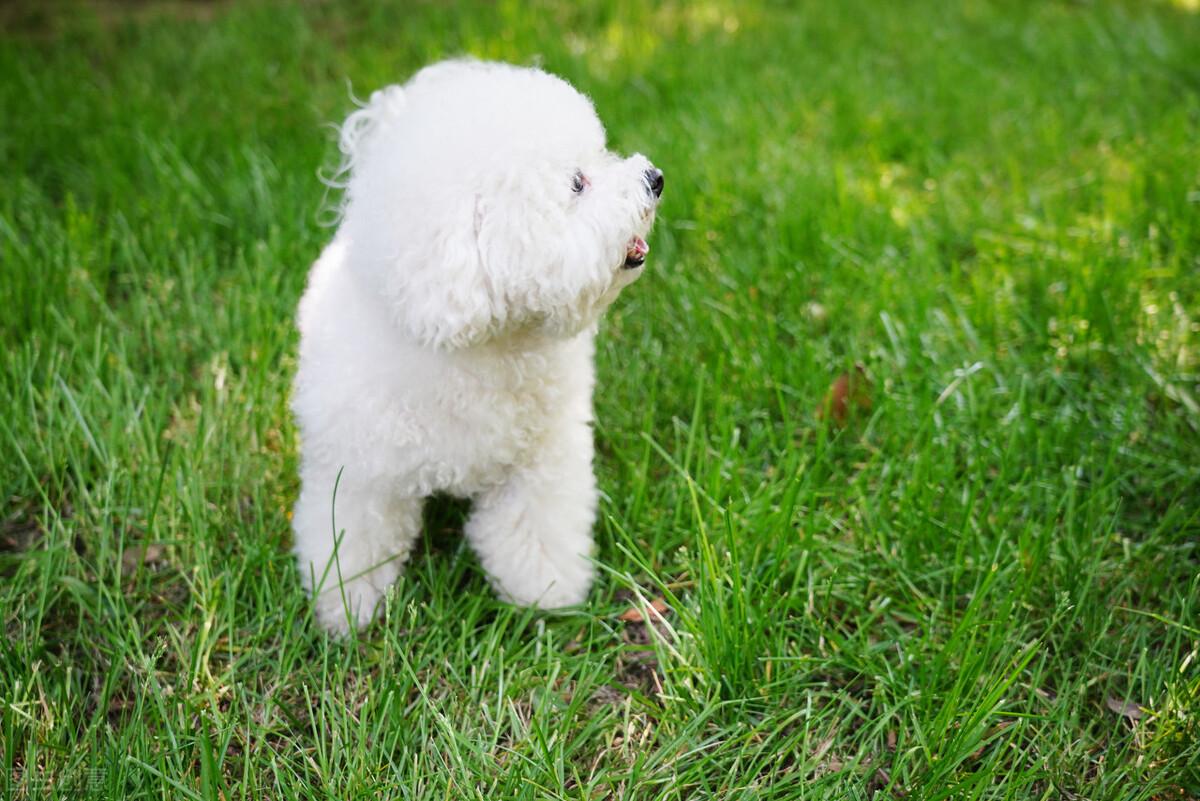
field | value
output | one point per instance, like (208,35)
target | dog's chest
(498,413)
(481,419)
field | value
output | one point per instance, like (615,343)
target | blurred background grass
(983,584)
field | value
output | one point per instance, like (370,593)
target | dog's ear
(446,296)
(413,248)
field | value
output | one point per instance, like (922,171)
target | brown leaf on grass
(136,555)
(1126,709)
(850,392)
(825,762)
(821,748)
(657,611)
(880,780)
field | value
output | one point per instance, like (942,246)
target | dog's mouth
(635,253)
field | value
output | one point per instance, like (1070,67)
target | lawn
(978,579)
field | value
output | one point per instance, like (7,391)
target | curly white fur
(447,333)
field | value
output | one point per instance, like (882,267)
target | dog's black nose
(654,180)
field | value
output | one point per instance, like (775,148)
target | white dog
(446,335)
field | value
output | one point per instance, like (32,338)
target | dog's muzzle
(635,253)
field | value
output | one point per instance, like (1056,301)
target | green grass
(993,208)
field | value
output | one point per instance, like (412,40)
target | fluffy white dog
(446,335)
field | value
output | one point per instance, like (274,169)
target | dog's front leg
(533,532)
(349,559)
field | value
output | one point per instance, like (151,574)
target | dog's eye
(579,182)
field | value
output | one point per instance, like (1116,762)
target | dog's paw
(548,598)
(546,584)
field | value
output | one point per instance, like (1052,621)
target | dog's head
(482,202)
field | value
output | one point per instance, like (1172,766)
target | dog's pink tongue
(638,248)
